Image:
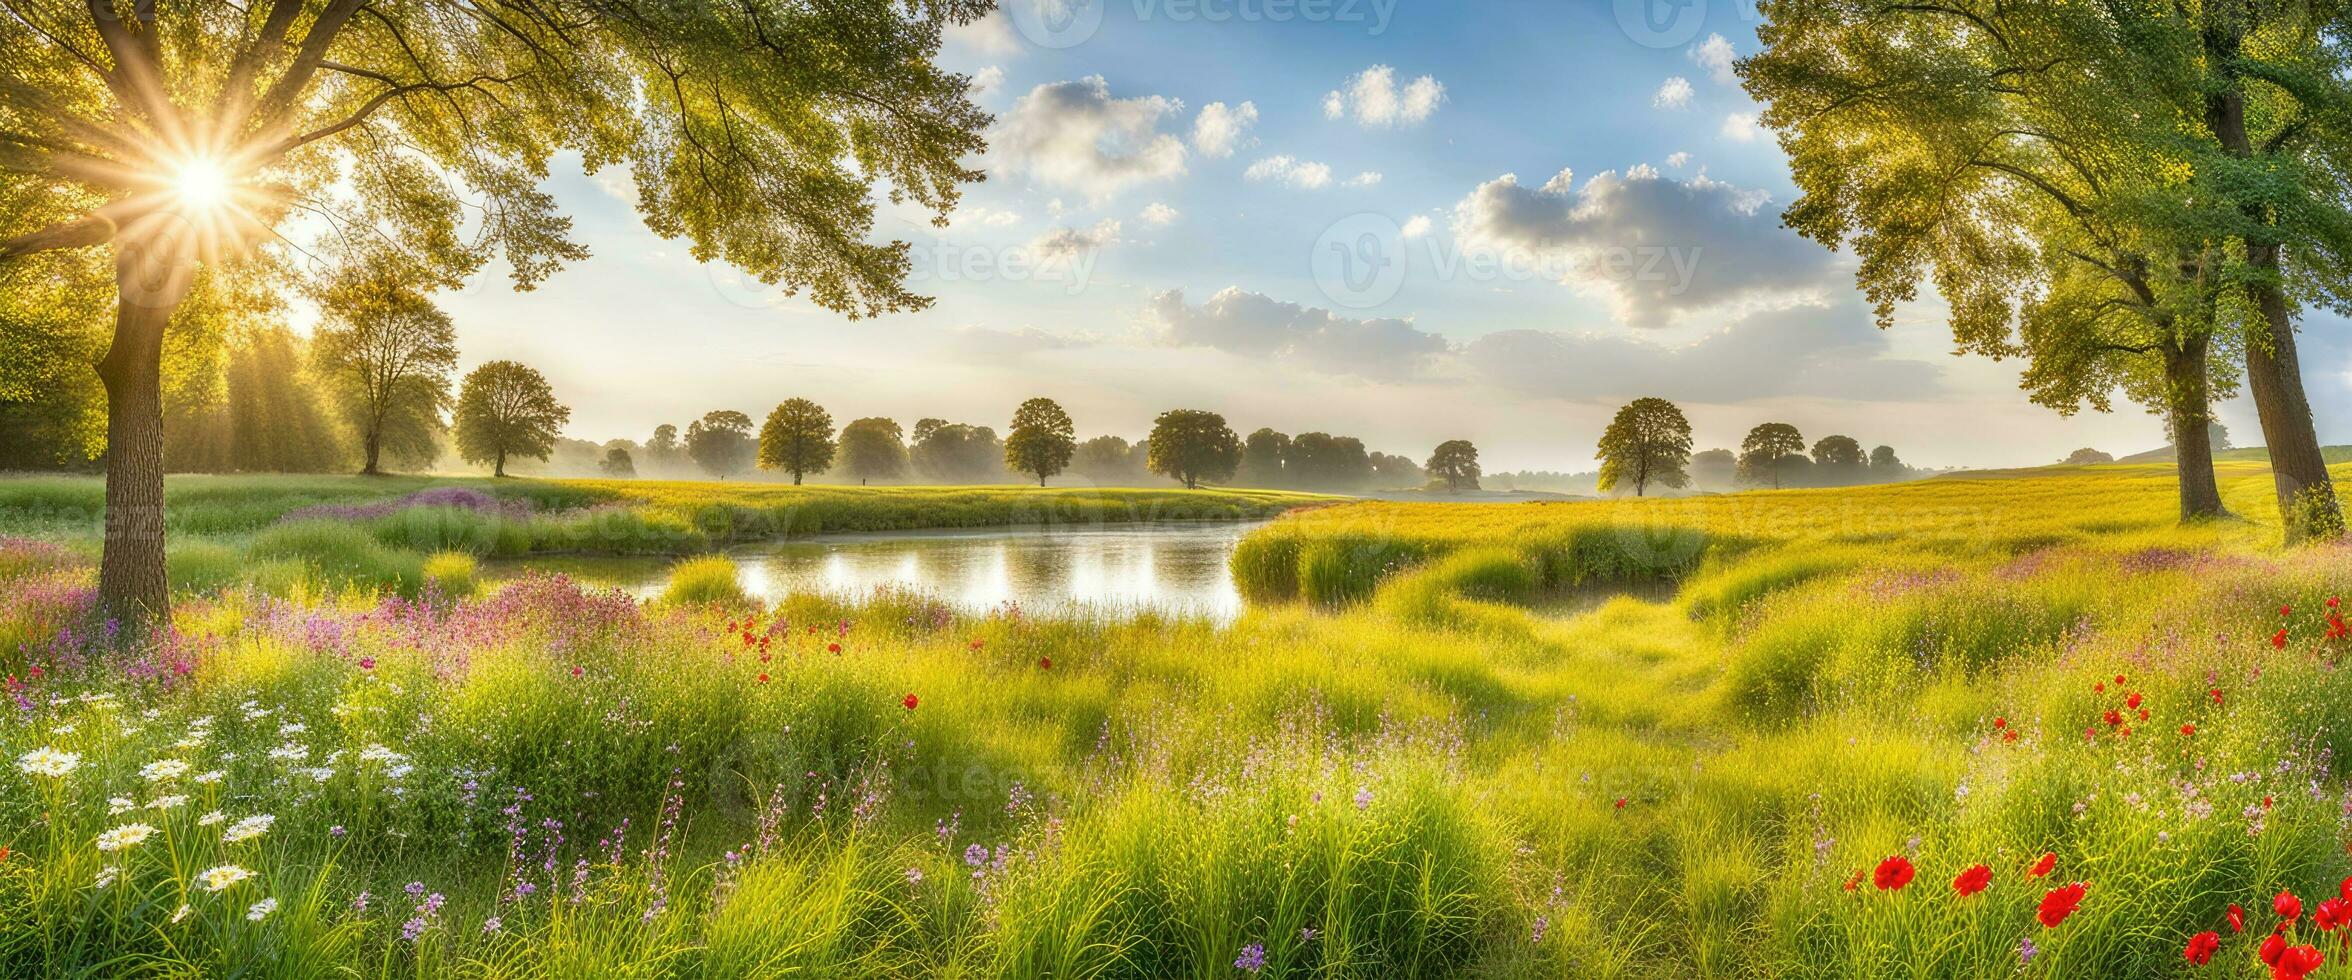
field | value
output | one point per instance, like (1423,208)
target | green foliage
(705,580)
(1189,446)
(386,353)
(798,439)
(1042,439)
(1456,462)
(451,574)
(720,442)
(873,449)
(340,555)
(505,409)
(1649,441)
(1766,453)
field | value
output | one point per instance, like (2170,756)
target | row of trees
(2134,198)
(1648,444)
(798,439)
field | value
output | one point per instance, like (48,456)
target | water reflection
(1162,567)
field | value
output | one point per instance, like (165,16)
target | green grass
(1597,739)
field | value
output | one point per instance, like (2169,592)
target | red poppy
(2215,694)
(977,644)
(1621,806)
(2100,687)
(2119,680)
(2237,917)
(2060,903)
(2267,801)
(2043,866)
(1893,873)
(2132,700)
(577,671)
(2337,630)
(2287,906)
(763,678)
(2188,729)
(2295,962)
(2202,947)
(2273,947)
(1972,880)
(2143,714)
(2286,610)
(2332,914)
(2344,889)
(4,853)
(2113,717)
(1855,880)
(832,648)
(2009,736)
(2278,640)
(2333,602)
(1045,663)
(1998,723)
(910,701)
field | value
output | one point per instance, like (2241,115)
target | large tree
(1456,462)
(952,452)
(175,140)
(720,442)
(1189,445)
(1108,461)
(873,449)
(387,352)
(506,409)
(1042,439)
(1841,460)
(1327,462)
(1767,450)
(798,439)
(1263,454)
(2118,191)
(1649,441)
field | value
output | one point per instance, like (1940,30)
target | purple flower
(1363,797)
(1252,958)
(2025,950)
(1543,923)
(975,855)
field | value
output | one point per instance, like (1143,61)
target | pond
(1177,567)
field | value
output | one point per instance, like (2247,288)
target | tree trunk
(150,279)
(2306,496)
(498,469)
(2308,508)
(374,444)
(2189,403)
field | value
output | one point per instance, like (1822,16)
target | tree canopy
(1190,445)
(1649,441)
(798,439)
(506,409)
(720,442)
(387,353)
(1456,462)
(1042,439)
(873,449)
(1765,454)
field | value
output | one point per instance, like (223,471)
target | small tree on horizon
(2086,457)
(618,464)
(506,409)
(798,439)
(1885,466)
(386,352)
(1648,442)
(1042,439)
(1456,462)
(1189,445)
(1764,451)
(873,449)
(720,442)
(1841,460)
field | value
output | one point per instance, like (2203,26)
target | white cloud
(1076,135)
(618,182)
(1369,178)
(1256,325)
(1740,127)
(1657,249)
(1415,226)
(1833,351)
(975,215)
(1302,174)
(986,80)
(1715,55)
(1675,94)
(1061,243)
(1218,130)
(1157,213)
(990,35)
(1677,159)
(1372,95)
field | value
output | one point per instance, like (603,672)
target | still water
(1167,567)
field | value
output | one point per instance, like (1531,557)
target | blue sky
(1177,215)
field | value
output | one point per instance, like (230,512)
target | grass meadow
(2012,724)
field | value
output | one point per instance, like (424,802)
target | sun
(201,184)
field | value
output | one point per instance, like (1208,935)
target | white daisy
(248,828)
(118,805)
(261,909)
(209,819)
(222,878)
(172,802)
(127,835)
(163,769)
(48,762)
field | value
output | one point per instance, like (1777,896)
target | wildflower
(2286,610)
(2237,917)
(2025,950)
(1972,880)
(2188,729)
(914,876)
(1854,880)
(1363,797)
(209,819)
(336,831)
(209,778)
(367,663)
(2132,700)
(2201,947)
(2043,866)
(248,828)
(910,701)
(832,648)
(2287,906)
(106,876)
(577,671)
(2332,914)
(1045,663)
(126,836)
(163,769)
(2113,718)
(260,910)
(2000,723)
(2059,903)
(1621,803)
(491,925)
(119,805)
(1252,958)
(48,762)
(977,644)
(4,853)
(763,678)
(222,878)
(1543,924)
(2278,640)
(975,855)
(180,913)
(1893,873)
(2289,962)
